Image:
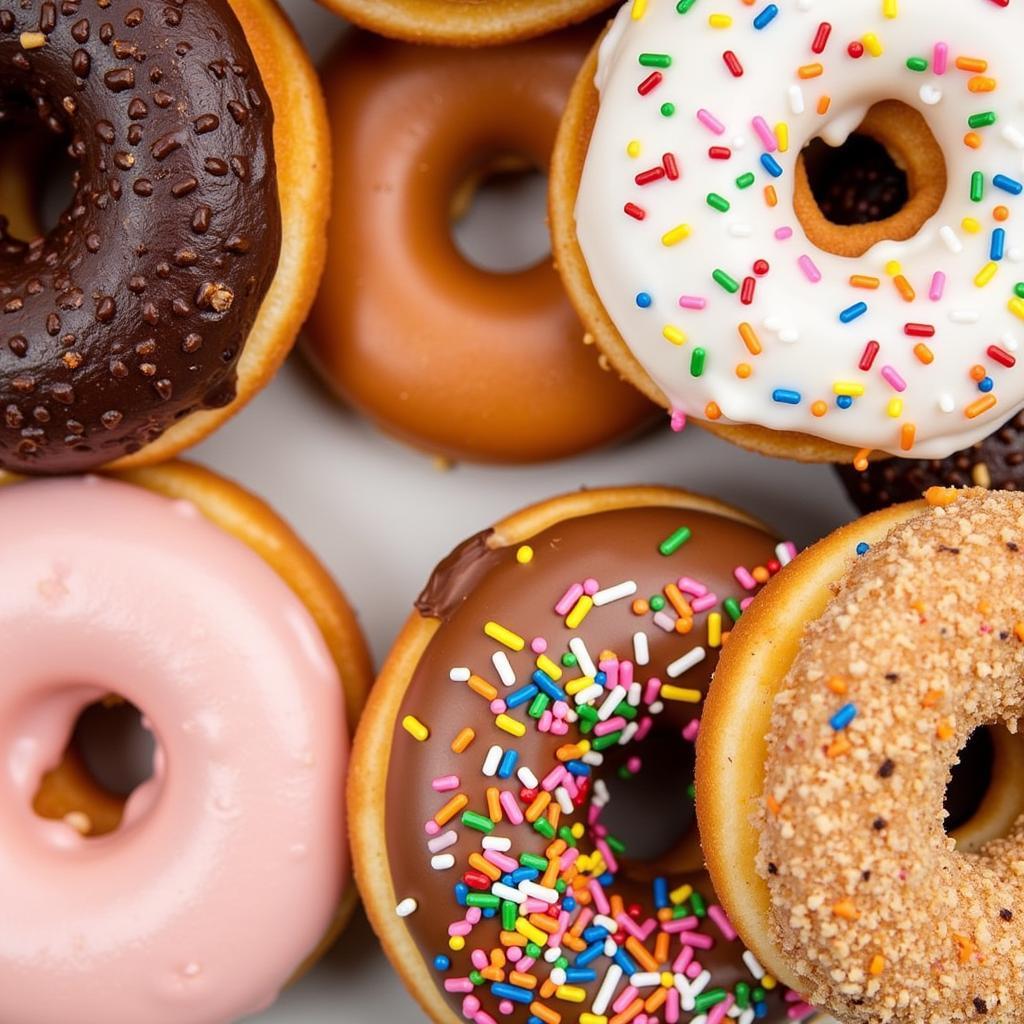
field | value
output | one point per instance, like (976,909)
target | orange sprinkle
(657,998)
(678,602)
(1001,213)
(907,434)
(979,83)
(536,809)
(945,730)
(761,574)
(544,1012)
(482,687)
(941,496)
(837,684)
(629,1012)
(520,979)
(863,281)
(839,746)
(972,140)
(750,339)
(512,939)
(640,607)
(1018,631)
(485,867)
(975,64)
(823,104)
(771,197)
(877,965)
(576,944)
(965,947)
(547,989)
(743,370)
(712,412)
(924,353)
(662,944)
(493,974)
(544,923)
(931,698)
(819,408)
(846,909)
(773,805)
(493,804)
(811,71)
(978,372)
(641,953)
(683,626)
(450,809)
(983,404)
(462,741)
(905,288)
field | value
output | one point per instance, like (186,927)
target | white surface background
(381,516)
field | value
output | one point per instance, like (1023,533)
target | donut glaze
(228,866)
(133,312)
(516,585)
(718,295)
(452,358)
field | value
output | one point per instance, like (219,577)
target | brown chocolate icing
(133,311)
(611,547)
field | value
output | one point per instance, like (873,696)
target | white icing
(807,349)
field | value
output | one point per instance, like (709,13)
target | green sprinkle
(977,187)
(657,602)
(732,606)
(588,719)
(509,916)
(533,860)
(745,180)
(684,5)
(668,109)
(917,64)
(560,885)
(670,545)
(730,284)
(983,120)
(624,773)
(476,977)
(569,660)
(708,998)
(477,821)
(691,791)
(697,359)
(562,962)
(655,60)
(717,202)
(539,705)
(1018,289)
(482,899)
(565,834)
(626,711)
(533,950)
(606,741)
(615,845)
(742,994)
(697,905)
(759,995)
(543,826)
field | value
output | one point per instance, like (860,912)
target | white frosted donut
(910,348)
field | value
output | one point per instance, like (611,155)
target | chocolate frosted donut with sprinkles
(795,223)
(522,798)
(134,313)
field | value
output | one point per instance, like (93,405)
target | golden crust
(566,171)
(372,754)
(462,23)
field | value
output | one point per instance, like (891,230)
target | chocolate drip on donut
(134,310)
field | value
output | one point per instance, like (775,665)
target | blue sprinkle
(508,764)
(548,685)
(766,17)
(845,401)
(863,548)
(786,397)
(577,975)
(623,959)
(851,313)
(534,1020)
(512,992)
(595,933)
(521,696)
(986,384)
(568,903)
(461,892)
(1010,185)
(441,963)
(521,875)
(601,678)
(590,954)
(490,912)
(578,767)
(661,893)
(998,244)
(771,165)
(644,300)
(761,1011)
(843,717)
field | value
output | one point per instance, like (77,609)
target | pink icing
(231,860)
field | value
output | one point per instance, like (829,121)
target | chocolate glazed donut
(133,311)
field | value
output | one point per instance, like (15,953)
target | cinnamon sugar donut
(868,664)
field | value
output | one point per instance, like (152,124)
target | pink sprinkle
(553,778)
(702,604)
(559,728)
(431,828)
(626,674)
(692,302)
(458,985)
(696,939)
(811,272)
(711,122)
(677,421)
(766,135)
(612,725)
(797,1011)
(938,286)
(591,586)
(717,1013)
(544,725)
(746,603)
(484,1018)
(743,577)
(671,1006)
(503,861)
(473,915)
(569,599)
(718,915)
(609,857)
(462,928)
(691,587)
(684,924)
(470,1005)
(694,970)
(626,996)
(783,234)
(651,690)
(600,900)
(629,925)
(634,764)
(510,807)
(560,709)
(610,667)
(538,645)
(941,59)
(535,906)
(514,953)
(683,961)
(505,1007)
(691,729)
(646,724)
(479,959)
(445,783)
(498,707)
(893,379)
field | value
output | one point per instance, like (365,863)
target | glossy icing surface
(230,862)
(712,281)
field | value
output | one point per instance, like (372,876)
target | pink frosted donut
(230,861)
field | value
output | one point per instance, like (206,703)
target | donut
(197,898)
(176,279)
(461,361)
(465,22)
(794,225)
(827,743)
(997,463)
(549,679)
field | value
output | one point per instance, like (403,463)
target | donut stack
(633,758)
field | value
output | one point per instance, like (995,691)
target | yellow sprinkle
(510,725)
(744,370)
(893,267)
(681,895)
(639,9)
(768,982)
(846,910)
(940,496)
(456,943)
(580,612)
(986,274)
(890,8)
(571,993)
(945,730)
(674,334)
(873,44)
(545,664)
(524,555)
(715,629)
(895,408)
(511,640)
(592,1018)
(676,235)
(847,387)
(575,686)
(782,136)
(681,693)
(530,932)
(720,20)
(32,40)
(1016,307)
(415,728)
(634,148)
(877,965)
(461,742)
(970,225)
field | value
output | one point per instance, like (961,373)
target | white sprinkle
(930,95)
(606,922)
(625,589)
(500,843)
(947,403)
(641,649)
(506,892)
(964,316)
(610,949)
(557,974)
(406,907)
(753,965)
(1013,136)
(539,892)
(772,323)
(1009,342)
(583,659)
(796,99)
(590,693)
(1015,254)
(741,230)
(594,758)
(739,142)
(527,778)
(686,662)
(551,954)
(612,701)
(635,693)
(784,553)
(655,707)
(645,979)
(747,1016)
(804,5)
(460,675)
(789,336)
(665,621)
(506,673)
(442,862)
(953,244)
(699,984)
(607,989)
(601,798)
(564,800)
(443,841)
(491,761)
(628,733)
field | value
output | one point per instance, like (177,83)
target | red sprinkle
(855,50)
(1001,356)
(476,880)
(747,292)
(1001,3)
(761,267)
(773,565)
(732,62)
(651,82)
(867,358)
(646,177)
(668,161)
(634,211)
(719,153)
(919,330)
(821,37)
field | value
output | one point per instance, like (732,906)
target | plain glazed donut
(457,360)
(179,592)
(551,660)
(690,222)
(465,22)
(867,664)
(177,278)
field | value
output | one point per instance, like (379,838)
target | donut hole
(499,216)
(970,779)
(883,183)
(651,808)
(108,757)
